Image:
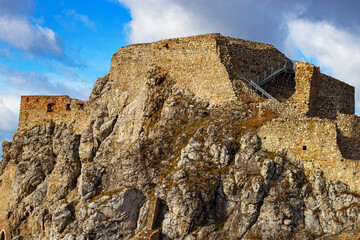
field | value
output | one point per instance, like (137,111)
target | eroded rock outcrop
(159,159)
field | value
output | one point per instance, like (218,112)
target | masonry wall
(205,64)
(298,103)
(330,96)
(318,95)
(314,142)
(349,135)
(60,109)
(246,58)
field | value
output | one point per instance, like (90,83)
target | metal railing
(286,66)
(253,85)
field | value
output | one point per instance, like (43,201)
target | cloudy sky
(61,47)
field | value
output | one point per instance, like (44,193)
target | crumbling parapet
(319,95)
(314,141)
(59,109)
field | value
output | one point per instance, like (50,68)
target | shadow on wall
(349,146)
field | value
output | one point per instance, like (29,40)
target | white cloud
(8,117)
(333,48)
(20,33)
(158,19)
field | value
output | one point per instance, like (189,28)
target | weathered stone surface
(173,145)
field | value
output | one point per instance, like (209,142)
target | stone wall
(318,95)
(60,109)
(330,96)
(314,142)
(246,58)
(206,64)
(349,135)
(298,103)
(309,138)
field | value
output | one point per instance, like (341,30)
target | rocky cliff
(170,150)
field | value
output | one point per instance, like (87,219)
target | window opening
(47,100)
(81,106)
(68,107)
(2,235)
(50,107)
(304,147)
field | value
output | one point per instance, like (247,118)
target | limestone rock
(172,145)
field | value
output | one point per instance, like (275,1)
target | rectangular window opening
(81,106)
(68,107)
(304,148)
(50,107)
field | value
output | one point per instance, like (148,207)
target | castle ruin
(36,109)
(316,122)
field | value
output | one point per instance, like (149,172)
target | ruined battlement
(316,120)
(319,95)
(35,109)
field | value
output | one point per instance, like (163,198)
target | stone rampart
(59,109)
(316,120)
(318,95)
(206,64)
(314,142)
(329,96)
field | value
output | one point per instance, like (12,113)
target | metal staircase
(258,89)
(286,67)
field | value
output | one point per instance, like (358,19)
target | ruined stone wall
(314,142)
(298,103)
(60,109)
(319,95)
(309,138)
(330,96)
(206,64)
(246,58)
(349,135)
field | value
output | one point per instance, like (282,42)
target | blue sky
(62,47)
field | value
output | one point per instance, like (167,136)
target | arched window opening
(2,235)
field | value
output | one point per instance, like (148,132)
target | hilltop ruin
(317,121)
(203,137)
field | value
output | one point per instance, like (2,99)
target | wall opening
(50,107)
(2,235)
(304,148)
(68,107)
(81,106)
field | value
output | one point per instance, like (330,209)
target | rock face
(165,156)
